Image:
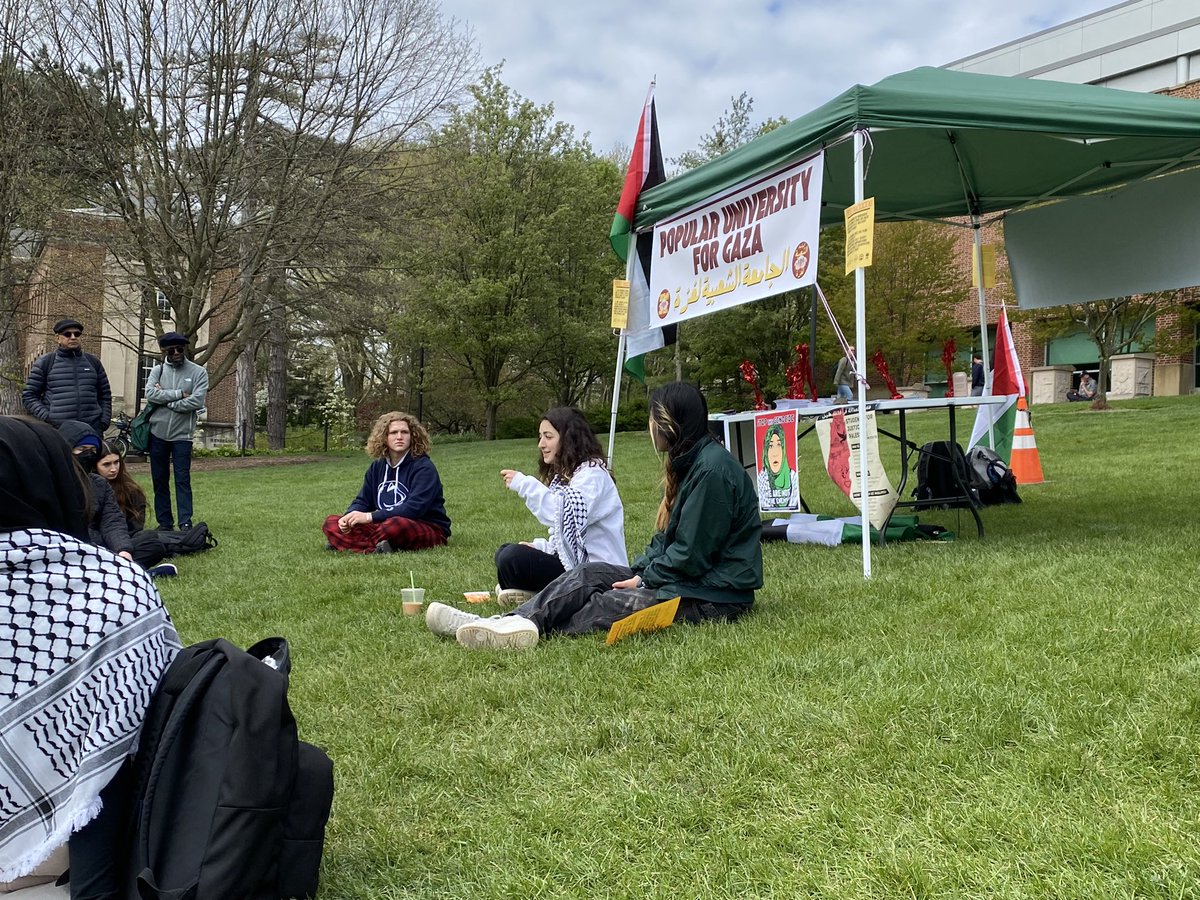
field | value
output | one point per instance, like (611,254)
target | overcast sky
(594,60)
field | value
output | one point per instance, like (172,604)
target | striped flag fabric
(645,170)
(994,425)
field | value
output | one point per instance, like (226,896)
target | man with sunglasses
(176,388)
(67,384)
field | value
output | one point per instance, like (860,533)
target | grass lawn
(1017,716)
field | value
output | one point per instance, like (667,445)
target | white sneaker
(498,633)
(508,598)
(445,620)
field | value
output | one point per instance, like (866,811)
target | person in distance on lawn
(575,497)
(400,506)
(707,550)
(106,521)
(147,549)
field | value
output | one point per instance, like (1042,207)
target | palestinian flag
(645,171)
(996,423)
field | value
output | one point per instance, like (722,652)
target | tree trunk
(489,431)
(277,346)
(1101,399)
(11,371)
(244,399)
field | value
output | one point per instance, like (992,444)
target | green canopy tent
(936,144)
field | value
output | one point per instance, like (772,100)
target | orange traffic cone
(1025,464)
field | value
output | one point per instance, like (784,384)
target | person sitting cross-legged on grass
(707,550)
(400,506)
(575,497)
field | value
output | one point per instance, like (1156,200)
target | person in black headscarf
(707,550)
(86,640)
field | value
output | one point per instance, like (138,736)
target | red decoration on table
(750,374)
(948,350)
(799,374)
(881,365)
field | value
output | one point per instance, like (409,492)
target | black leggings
(526,568)
(98,849)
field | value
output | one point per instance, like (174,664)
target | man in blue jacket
(67,384)
(176,388)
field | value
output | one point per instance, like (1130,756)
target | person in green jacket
(707,550)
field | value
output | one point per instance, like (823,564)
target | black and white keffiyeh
(84,640)
(566,540)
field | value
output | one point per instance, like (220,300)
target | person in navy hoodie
(400,506)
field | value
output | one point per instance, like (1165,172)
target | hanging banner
(758,239)
(839,435)
(775,460)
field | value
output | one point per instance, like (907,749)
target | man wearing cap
(68,384)
(176,389)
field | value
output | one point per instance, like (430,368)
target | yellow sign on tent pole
(620,303)
(860,234)
(988,252)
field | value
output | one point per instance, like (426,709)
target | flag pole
(631,260)
(612,422)
(860,341)
(983,341)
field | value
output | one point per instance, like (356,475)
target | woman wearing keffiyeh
(574,496)
(84,639)
(778,487)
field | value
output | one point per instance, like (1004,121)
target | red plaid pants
(401,533)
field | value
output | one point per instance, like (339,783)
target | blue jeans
(844,392)
(164,456)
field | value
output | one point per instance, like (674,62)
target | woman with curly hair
(400,506)
(707,549)
(574,496)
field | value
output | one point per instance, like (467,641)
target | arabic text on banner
(754,241)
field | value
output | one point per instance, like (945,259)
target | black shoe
(163,570)
(184,526)
(384,547)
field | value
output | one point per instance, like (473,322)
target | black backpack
(936,484)
(196,539)
(228,804)
(991,477)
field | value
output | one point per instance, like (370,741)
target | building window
(164,305)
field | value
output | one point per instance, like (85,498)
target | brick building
(71,271)
(1140,45)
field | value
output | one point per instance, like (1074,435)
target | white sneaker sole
(512,597)
(480,636)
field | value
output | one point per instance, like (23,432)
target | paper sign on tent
(620,303)
(989,266)
(860,234)
(652,618)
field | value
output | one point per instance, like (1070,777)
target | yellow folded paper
(652,618)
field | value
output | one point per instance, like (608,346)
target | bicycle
(122,442)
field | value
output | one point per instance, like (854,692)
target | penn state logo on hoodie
(392,492)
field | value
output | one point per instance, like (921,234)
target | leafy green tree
(913,286)
(508,253)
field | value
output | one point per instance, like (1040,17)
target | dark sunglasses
(70,334)
(174,350)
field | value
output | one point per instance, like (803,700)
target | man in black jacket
(69,384)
